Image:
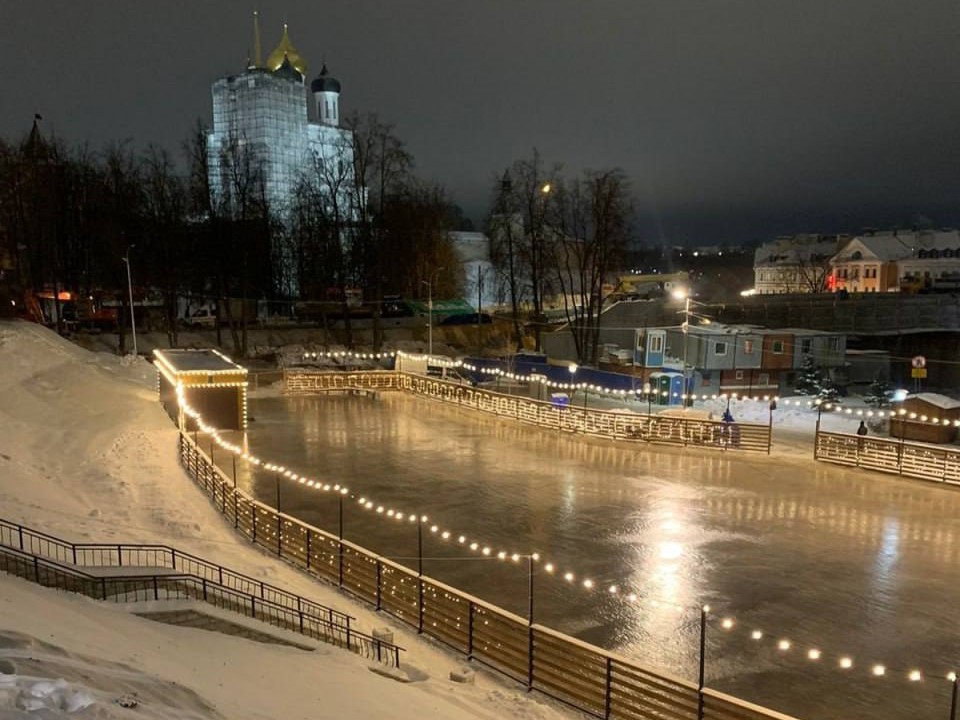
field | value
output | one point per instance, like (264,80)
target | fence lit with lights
(890,455)
(620,426)
(581,675)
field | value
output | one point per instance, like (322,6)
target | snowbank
(87,453)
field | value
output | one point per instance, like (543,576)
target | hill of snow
(87,454)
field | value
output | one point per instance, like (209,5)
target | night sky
(734,120)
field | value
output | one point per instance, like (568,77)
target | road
(843,561)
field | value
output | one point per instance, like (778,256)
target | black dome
(324,82)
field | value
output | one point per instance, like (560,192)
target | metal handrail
(77,552)
(352,639)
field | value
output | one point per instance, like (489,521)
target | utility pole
(133,323)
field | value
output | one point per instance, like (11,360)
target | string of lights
(481,550)
(900,413)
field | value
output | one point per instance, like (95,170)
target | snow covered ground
(86,453)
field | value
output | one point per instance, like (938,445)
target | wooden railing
(890,455)
(629,427)
(584,676)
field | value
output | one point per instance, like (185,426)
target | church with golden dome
(266,115)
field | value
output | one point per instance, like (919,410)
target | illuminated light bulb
(588,584)
(568,577)
(433,528)
(757,634)
(380,509)
(783,645)
(502,555)
(462,539)
(399,516)
(846,663)
(337,486)
(445,534)
(473,546)
(424,518)
(344,491)
(632,597)
(813,654)
(878,670)
(515,557)
(548,567)
(390,512)
(362,501)
(727,623)
(536,557)
(952,676)
(706,608)
(369,505)
(412,518)
(486,551)
(915,676)
(326,488)
(613,589)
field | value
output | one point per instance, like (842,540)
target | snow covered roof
(797,250)
(941,401)
(899,245)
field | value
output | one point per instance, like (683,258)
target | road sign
(918,372)
(919,361)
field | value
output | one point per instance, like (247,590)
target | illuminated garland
(727,623)
(638,392)
(814,654)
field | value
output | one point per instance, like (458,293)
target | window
(705,378)
(739,375)
(764,379)
(833,344)
(778,347)
(656,343)
(805,346)
(748,347)
(640,341)
(720,348)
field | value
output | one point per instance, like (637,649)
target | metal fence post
(308,548)
(103,587)
(204,581)
(156,590)
(703,653)
(953,699)
(119,556)
(379,578)
(609,682)
(340,542)
(36,569)
(469,630)
(20,533)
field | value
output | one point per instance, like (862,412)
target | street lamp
(429,283)
(647,389)
(133,324)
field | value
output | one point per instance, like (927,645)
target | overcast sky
(735,120)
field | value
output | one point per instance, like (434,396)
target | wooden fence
(579,674)
(629,427)
(890,455)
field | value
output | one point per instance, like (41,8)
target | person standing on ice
(862,430)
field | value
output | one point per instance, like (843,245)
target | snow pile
(31,694)
(87,454)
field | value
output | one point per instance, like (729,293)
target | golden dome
(286,49)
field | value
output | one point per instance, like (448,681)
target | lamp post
(647,390)
(538,257)
(133,324)
(429,283)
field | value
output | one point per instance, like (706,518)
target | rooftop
(197,361)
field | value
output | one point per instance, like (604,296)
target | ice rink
(841,561)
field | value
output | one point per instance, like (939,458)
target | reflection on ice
(847,563)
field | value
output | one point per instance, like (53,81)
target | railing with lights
(581,675)
(635,427)
(890,455)
(450,615)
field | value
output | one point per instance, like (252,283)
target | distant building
(265,132)
(795,264)
(898,260)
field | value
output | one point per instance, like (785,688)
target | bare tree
(594,213)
